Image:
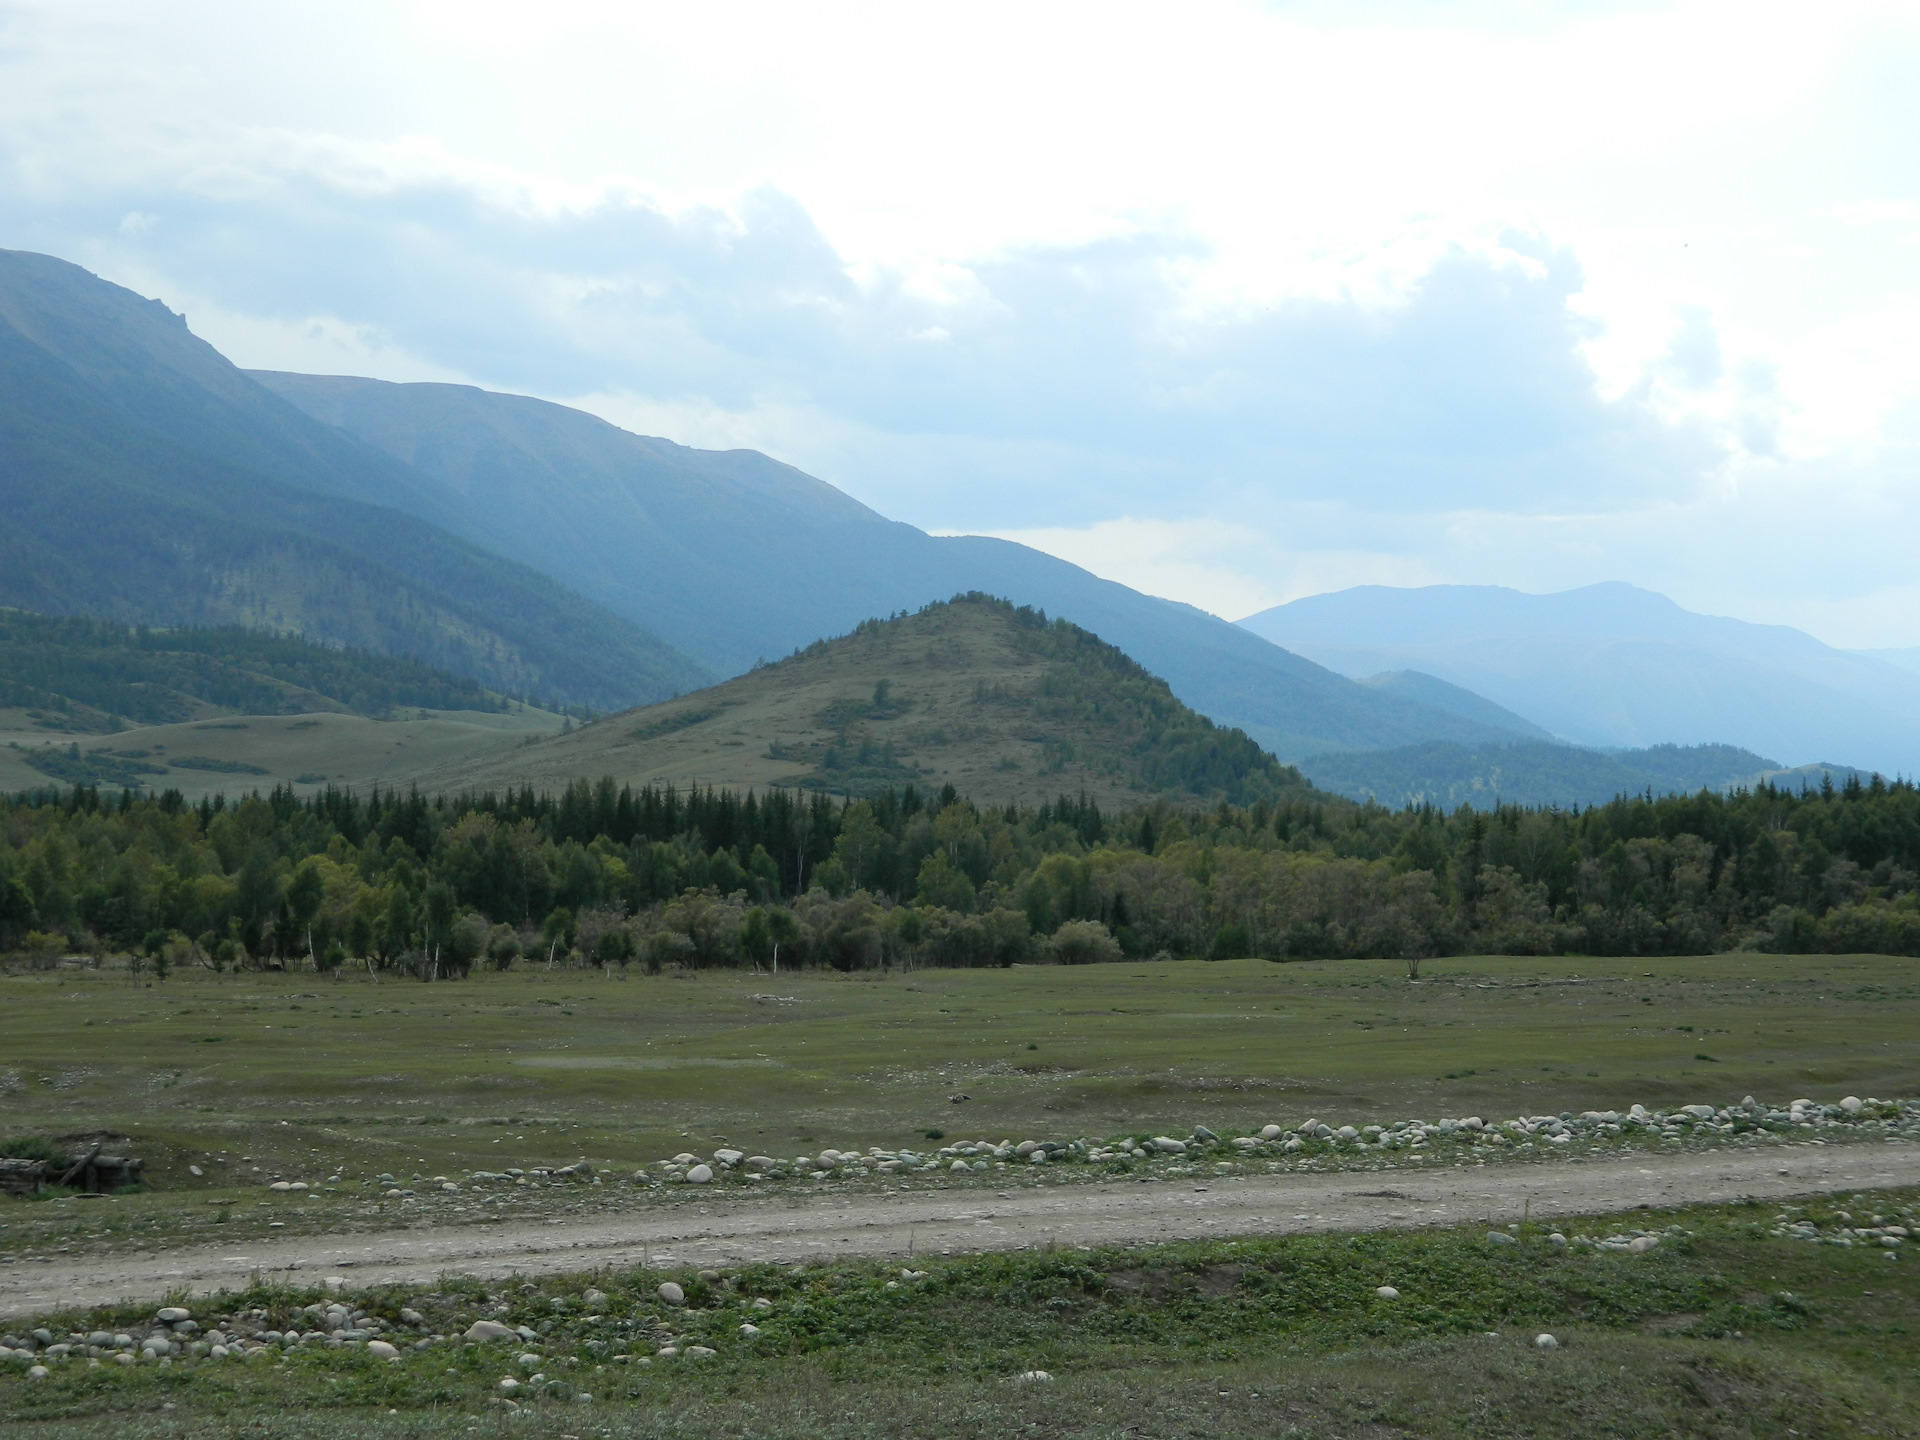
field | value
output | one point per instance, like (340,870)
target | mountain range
(1615,666)
(548,555)
(737,558)
(532,547)
(144,479)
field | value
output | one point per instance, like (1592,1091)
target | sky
(1231,302)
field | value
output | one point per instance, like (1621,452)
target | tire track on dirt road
(729,1230)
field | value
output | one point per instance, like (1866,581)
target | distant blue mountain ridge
(1613,665)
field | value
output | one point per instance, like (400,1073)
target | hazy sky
(1232,302)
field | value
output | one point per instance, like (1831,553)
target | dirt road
(737,1228)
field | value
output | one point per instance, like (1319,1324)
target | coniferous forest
(656,878)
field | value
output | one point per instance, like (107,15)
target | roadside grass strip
(1671,1321)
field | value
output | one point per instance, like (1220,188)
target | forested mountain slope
(736,558)
(72,673)
(144,479)
(1530,772)
(998,702)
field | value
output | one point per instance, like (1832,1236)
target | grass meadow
(254,1077)
(249,1077)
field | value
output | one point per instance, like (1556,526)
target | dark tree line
(605,875)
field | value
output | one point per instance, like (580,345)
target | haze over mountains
(735,558)
(1613,665)
(543,552)
(144,479)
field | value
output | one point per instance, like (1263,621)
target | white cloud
(1233,299)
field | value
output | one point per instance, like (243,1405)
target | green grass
(258,1077)
(1725,1329)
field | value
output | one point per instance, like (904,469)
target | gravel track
(731,1228)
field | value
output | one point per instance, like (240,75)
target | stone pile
(1887,1233)
(173,1333)
(1313,1138)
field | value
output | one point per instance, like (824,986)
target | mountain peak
(994,699)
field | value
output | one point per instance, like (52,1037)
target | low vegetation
(1722,1321)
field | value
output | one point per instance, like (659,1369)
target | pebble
(1387,1292)
(172,1315)
(379,1349)
(700,1352)
(489,1330)
(1546,1342)
(1500,1237)
(671,1293)
(700,1175)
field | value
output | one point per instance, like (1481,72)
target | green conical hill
(1001,703)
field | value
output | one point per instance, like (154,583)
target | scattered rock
(1387,1292)
(700,1175)
(671,1293)
(1032,1377)
(381,1350)
(1500,1237)
(490,1330)
(1546,1342)
(172,1314)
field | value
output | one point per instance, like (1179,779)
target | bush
(503,946)
(1083,942)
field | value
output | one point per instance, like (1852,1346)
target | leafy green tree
(940,883)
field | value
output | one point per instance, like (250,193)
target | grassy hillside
(997,701)
(145,479)
(1533,773)
(237,754)
(72,673)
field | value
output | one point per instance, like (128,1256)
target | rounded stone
(1546,1342)
(700,1175)
(1387,1292)
(381,1350)
(671,1293)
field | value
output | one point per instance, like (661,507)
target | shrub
(1083,942)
